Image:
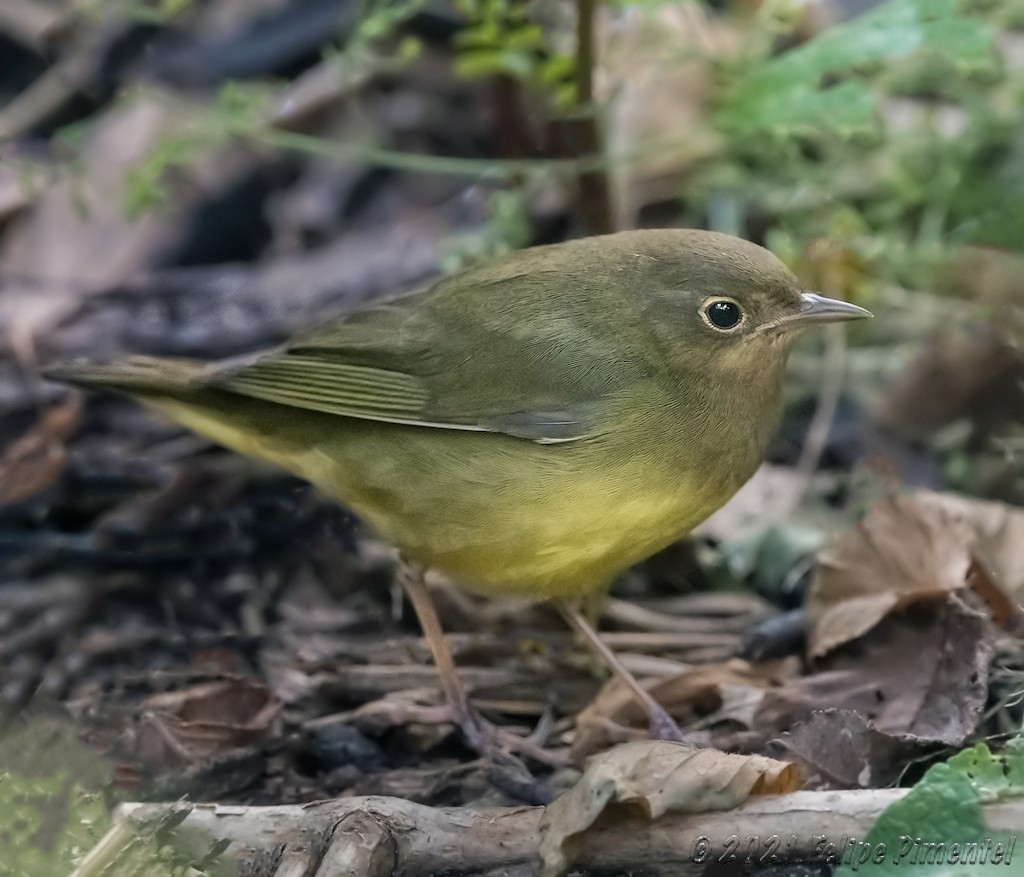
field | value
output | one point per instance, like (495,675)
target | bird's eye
(723,314)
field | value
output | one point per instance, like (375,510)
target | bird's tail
(179,389)
(138,375)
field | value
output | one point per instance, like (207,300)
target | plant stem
(415,162)
(585,52)
(595,203)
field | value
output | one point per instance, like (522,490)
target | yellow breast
(498,514)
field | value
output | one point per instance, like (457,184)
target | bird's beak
(816,308)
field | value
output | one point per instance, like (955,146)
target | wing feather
(501,355)
(320,384)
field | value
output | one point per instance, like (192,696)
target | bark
(392,837)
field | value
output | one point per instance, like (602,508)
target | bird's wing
(500,360)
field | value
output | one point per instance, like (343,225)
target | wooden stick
(392,837)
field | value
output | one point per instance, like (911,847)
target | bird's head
(720,302)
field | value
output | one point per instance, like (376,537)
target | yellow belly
(498,514)
(569,544)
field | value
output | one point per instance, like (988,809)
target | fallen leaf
(654,777)
(902,552)
(921,674)
(197,722)
(843,747)
(997,538)
(731,691)
(35,461)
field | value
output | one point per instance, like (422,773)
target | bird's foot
(661,726)
(500,749)
(490,740)
(481,735)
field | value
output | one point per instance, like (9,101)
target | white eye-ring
(722,314)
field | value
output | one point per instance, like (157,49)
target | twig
(48,93)
(32,22)
(390,836)
(829,391)
(594,193)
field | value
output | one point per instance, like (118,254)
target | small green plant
(906,117)
(239,109)
(53,802)
(939,827)
(520,40)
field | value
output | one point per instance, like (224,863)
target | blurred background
(206,177)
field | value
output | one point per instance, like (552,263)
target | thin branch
(595,200)
(827,404)
(388,837)
(419,162)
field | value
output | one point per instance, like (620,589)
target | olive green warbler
(531,426)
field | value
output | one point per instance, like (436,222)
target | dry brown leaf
(922,674)
(902,552)
(913,548)
(732,691)
(36,460)
(654,777)
(185,726)
(841,746)
(997,538)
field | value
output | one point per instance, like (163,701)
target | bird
(531,426)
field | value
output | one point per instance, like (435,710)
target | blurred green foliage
(52,805)
(507,228)
(902,127)
(150,185)
(55,814)
(510,38)
(833,85)
(377,23)
(906,121)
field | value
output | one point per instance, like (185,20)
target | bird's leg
(660,724)
(489,740)
(476,729)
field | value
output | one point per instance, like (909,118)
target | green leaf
(170,8)
(994,777)
(527,36)
(964,41)
(847,108)
(482,62)
(789,93)
(938,827)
